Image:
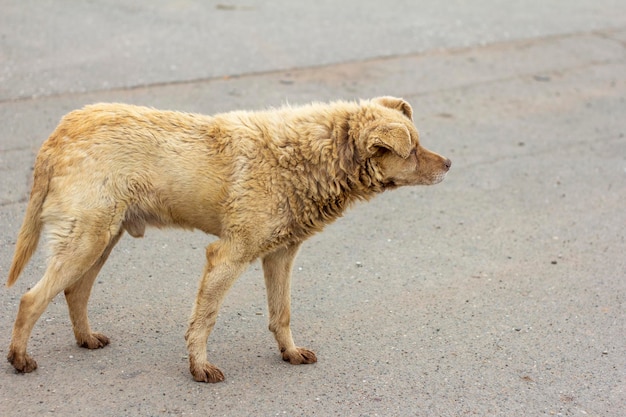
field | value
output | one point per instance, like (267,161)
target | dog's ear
(392,136)
(397,104)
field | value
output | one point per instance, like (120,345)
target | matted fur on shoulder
(306,157)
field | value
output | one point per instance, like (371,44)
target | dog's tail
(28,237)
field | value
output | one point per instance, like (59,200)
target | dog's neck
(342,175)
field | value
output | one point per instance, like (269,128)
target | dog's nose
(447,163)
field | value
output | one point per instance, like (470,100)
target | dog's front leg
(277,269)
(223,267)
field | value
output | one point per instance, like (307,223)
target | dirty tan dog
(262,182)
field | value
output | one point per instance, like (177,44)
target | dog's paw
(22,363)
(299,356)
(206,373)
(94,341)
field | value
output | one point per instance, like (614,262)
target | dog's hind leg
(77,297)
(74,251)
(225,262)
(277,269)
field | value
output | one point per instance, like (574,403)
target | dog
(262,182)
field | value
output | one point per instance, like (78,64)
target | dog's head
(389,140)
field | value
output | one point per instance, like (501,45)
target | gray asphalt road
(500,292)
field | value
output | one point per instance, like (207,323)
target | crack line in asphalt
(603,34)
(554,71)
(22,200)
(17,149)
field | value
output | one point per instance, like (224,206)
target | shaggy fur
(261,181)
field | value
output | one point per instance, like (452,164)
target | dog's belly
(197,210)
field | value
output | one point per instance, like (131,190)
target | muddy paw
(206,373)
(22,363)
(299,356)
(94,341)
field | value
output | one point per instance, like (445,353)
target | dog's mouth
(390,185)
(439,177)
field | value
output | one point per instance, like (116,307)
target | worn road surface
(500,292)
